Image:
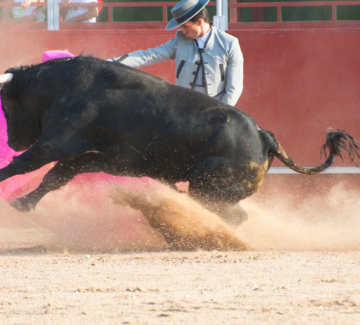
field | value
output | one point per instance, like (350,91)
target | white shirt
(202,40)
(77,11)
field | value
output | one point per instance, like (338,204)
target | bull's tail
(334,143)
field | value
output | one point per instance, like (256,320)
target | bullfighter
(207,60)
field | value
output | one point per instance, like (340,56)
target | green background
(317,13)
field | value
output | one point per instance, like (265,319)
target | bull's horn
(6,77)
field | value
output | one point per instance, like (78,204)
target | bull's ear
(6,77)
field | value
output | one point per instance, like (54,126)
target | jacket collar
(209,42)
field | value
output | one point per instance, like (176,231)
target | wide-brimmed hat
(184,11)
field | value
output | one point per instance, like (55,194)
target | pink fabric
(18,185)
(56,54)
(6,154)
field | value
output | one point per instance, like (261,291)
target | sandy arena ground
(302,269)
(181,288)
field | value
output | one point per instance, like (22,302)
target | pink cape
(18,185)
(50,55)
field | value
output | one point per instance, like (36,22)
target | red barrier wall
(297,82)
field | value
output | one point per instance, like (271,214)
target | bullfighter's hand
(114,59)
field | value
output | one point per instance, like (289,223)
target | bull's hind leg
(58,176)
(231,213)
(220,189)
(222,201)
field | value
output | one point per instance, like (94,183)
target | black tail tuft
(336,144)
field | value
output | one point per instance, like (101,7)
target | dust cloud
(118,217)
(80,216)
(327,222)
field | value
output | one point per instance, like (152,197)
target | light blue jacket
(222,63)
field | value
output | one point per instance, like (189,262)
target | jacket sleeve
(142,58)
(235,75)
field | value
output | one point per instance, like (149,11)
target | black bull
(92,116)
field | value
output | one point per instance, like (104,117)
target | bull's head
(19,136)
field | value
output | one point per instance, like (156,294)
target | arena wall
(297,82)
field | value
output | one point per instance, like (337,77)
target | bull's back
(156,116)
(152,115)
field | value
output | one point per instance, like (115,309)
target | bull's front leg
(34,158)
(58,176)
(59,142)
(16,167)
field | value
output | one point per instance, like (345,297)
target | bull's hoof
(234,215)
(18,205)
